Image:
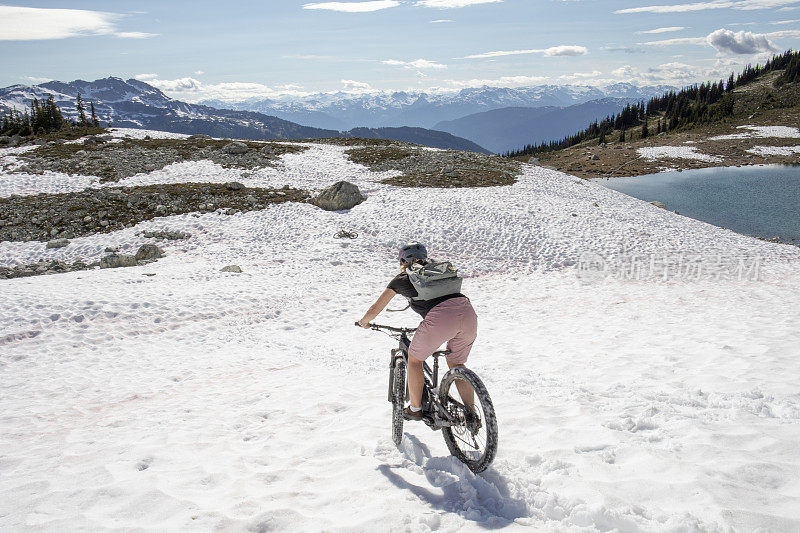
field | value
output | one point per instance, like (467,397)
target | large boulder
(236,269)
(235,148)
(339,196)
(117,261)
(234,186)
(149,252)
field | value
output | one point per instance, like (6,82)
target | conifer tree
(644,130)
(82,120)
(95,120)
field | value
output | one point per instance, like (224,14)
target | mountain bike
(470,432)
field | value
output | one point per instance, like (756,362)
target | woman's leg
(416,380)
(460,346)
(464,388)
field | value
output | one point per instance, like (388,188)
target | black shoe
(472,418)
(408,414)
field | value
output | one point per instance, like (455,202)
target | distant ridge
(135,104)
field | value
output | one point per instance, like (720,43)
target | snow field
(675,152)
(196,399)
(780,132)
(774,150)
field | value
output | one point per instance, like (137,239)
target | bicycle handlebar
(378,327)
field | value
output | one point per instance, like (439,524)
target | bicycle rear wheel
(473,436)
(398,399)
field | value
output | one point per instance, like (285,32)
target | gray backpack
(434,279)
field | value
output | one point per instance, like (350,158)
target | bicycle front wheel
(398,399)
(473,436)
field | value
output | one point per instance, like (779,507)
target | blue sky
(236,49)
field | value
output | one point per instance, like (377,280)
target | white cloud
(134,35)
(726,41)
(180,85)
(625,71)
(570,50)
(36,80)
(417,64)
(356,86)
(451,4)
(553,51)
(662,30)
(785,21)
(580,75)
(353,7)
(505,81)
(146,77)
(199,72)
(740,43)
(35,24)
(441,21)
(678,41)
(745,5)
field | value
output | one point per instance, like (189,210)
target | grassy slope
(758,104)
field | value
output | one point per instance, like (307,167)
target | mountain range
(476,119)
(135,104)
(426,109)
(510,128)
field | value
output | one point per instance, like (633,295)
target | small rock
(232,268)
(112,249)
(235,148)
(117,261)
(658,204)
(199,137)
(234,186)
(161,209)
(148,252)
(57,243)
(54,232)
(594,157)
(87,219)
(104,223)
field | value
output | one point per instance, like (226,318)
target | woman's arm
(377,307)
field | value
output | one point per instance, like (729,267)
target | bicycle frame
(440,417)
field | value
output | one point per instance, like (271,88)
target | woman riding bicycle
(449,318)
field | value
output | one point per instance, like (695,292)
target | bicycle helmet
(411,251)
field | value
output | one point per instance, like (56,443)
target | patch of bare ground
(421,167)
(112,161)
(69,215)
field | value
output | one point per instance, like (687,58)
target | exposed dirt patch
(69,215)
(112,161)
(436,168)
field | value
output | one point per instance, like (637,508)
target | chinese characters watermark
(593,267)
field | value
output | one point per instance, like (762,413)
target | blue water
(763,201)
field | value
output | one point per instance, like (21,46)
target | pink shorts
(453,321)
